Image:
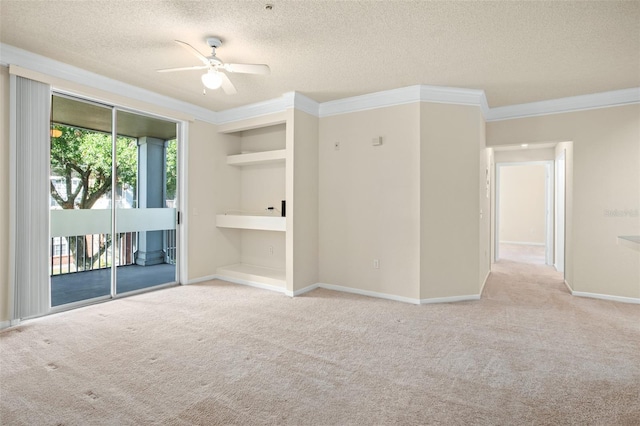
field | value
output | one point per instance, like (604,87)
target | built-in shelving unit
(257,154)
(258,223)
(268,159)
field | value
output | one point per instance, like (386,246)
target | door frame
(560,210)
(549,206)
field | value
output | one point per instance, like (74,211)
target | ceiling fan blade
(248,68)
(227,85)
(194,51)
(197,67)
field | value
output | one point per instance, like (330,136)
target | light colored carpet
(525,253)
(217,353)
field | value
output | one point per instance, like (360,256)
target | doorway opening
(524,228)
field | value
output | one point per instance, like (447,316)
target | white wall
(603,172)
(370,200)
(522,201)
(567,147)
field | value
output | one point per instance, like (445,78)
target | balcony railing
(95,251)
(80,240)
(88,252)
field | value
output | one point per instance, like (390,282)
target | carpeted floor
(217,353)
(525,253)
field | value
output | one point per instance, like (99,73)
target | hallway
(525,253)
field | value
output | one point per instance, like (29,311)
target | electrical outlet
(271,250)
(376,264)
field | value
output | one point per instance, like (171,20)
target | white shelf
(264,157)
(631,241)
(261,223)
(253,274)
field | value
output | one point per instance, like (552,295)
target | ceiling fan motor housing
(214,42)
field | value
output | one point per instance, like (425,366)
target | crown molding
(454,95)
(562,105)
(406,95)
(308,105)
(10,55)
(386,98)
(257,109)
(288,100)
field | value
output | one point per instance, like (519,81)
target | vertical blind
(30,148)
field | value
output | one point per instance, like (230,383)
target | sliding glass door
(80,216)
(113,215)
(145,208)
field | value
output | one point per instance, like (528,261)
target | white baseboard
(622,299)
(522,243)
(251,283)
(5,324)
(485,281)
(450,299)
(369,293)
(202,279)
(568,286)
(302,290)
(346,290)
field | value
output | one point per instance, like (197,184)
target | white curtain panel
(30,148)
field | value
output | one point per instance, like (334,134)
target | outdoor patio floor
(68,288)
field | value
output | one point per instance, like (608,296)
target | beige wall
(4,194)
(523,155)
(370,200)
(213,187)
(452,142)
(302,200)
(605,177)
(414,203)
(522,202)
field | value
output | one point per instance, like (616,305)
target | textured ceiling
(517,52)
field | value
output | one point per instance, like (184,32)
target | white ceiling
(517,52)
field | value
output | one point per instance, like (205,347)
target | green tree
(172,169)
(85,156)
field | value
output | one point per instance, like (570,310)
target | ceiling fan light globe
(212,80)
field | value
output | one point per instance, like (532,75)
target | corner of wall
(451,150)
(305,201)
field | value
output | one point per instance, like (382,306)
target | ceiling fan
(215,78)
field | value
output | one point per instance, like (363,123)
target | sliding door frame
(181,133)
